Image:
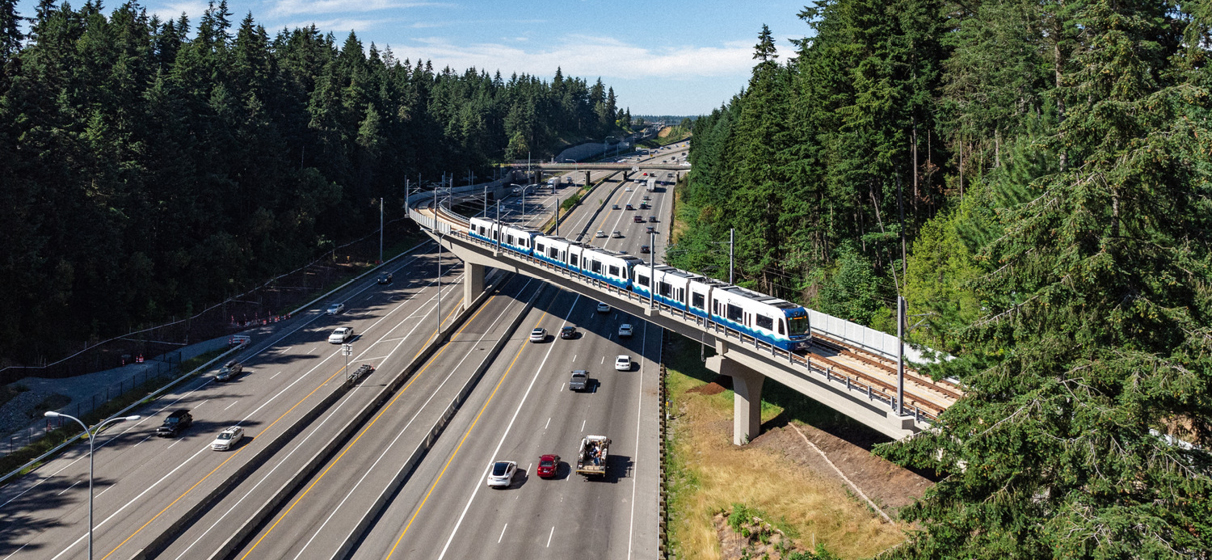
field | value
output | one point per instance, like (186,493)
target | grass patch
(708,474)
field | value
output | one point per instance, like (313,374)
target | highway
(321,522)
(145,483)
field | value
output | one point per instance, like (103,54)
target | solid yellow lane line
(460,446)
(353,443)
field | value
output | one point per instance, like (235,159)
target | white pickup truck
(591,460)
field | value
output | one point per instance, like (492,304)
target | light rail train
(767,318)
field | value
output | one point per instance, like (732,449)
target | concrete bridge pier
(587,178)
(473,282)
(626,176)
(747,397)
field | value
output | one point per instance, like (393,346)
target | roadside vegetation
(1033,178)
(708,475)
(158,167)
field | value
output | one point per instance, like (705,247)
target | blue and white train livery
(766,318)
(779,322)
(512,238)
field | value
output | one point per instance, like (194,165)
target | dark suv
(177,421)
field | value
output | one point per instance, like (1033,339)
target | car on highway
(385,278)
(603,308)
(341,335)
(614,207)
(650,229)
(638,219)
(644,249)
(617,234)
(646,198)
(176,422)
(568,333)
(227,439)
(579,380)
(500,474)
(229,371)
(622,363)
(652,219)
(644,206)
(538,335)
(628,189)
(335,308)
(630,207)
(601,233)
(625,330)
(548,466)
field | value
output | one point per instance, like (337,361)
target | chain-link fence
(138,375)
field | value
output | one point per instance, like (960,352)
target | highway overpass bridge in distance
(626,168)
(848,368)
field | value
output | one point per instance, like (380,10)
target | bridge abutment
(746,400)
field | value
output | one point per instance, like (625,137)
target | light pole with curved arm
(53,414)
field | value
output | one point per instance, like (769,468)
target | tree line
(1034,178)
(151,168)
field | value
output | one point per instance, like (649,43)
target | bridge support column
(586,178)
(473,282)
(747,398)
(626,176)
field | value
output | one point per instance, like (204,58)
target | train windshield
(798,326)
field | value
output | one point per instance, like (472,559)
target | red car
(548,465)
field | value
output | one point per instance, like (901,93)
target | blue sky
(674,57)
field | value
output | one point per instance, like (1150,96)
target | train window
(664,289)
(553,253)
(614,271)
(572,260)
(697,301)
(782,328)
(681,295)
(595,267)
(509,238)
(734,313)
(765,322)
(715,307)
(798,325)
(641,280)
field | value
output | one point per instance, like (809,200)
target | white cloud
(191,8)
(589,56)
(339,27)
(295,7)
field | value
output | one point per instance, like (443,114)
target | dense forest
(1033,177)
(151,167)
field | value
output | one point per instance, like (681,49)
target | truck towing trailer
(591,460)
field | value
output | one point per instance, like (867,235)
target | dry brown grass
(710,474)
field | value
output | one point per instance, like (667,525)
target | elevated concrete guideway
(841,376)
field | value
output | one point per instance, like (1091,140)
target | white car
(335,308)
(622,363)
(340,335)
(538,335)
(500,474)
(228,439)
(625,330)
(603,308)
(601,234)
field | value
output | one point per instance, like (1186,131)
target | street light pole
(731,240)
(380,230)
(53,414)
(651,269)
